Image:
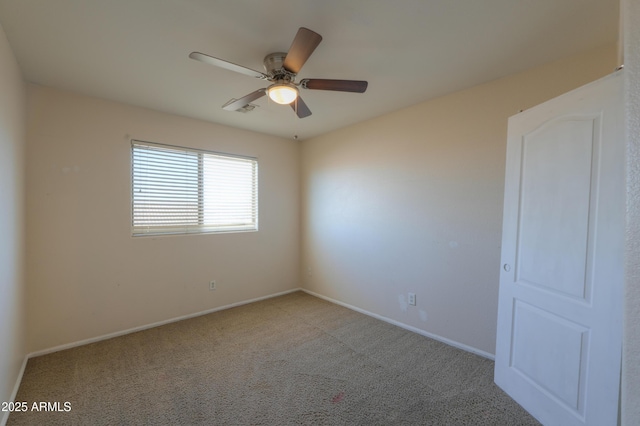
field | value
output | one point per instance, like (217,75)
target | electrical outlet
(212,285)
(412,299)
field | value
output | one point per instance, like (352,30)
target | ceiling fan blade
(227,65)
(236,104)
(355,86)
(301,109)
(302,47)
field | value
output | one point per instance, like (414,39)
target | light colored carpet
(290,360)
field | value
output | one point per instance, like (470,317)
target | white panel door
(560,309)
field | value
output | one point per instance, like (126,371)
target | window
(181,191)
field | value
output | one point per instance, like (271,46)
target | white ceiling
(136,51)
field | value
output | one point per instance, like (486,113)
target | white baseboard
(5,416)
(407,327)
(155,324)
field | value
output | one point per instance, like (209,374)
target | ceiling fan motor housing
(274,67)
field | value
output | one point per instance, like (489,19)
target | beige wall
(12,287)
(86,275)
(631,347)
(412,202)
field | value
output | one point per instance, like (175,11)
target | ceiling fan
(281,70)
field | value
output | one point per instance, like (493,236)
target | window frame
(201,228)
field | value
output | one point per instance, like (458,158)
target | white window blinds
(180,190)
